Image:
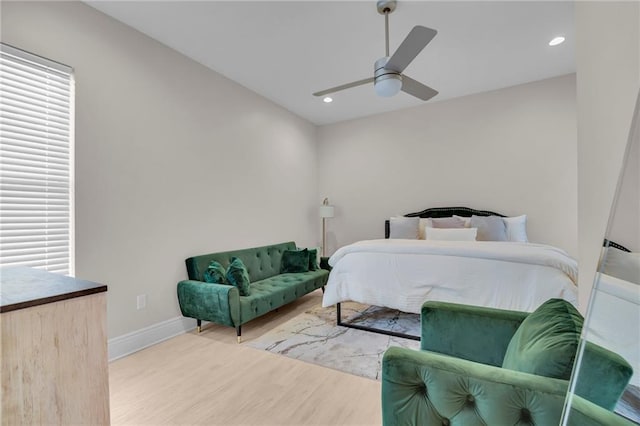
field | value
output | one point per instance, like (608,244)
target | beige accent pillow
(451,234)
(447,222)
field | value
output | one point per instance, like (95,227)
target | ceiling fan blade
(417,89)
(344,86)
(413,44)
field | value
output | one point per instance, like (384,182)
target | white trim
(127,344)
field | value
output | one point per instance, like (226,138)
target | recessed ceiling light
(328,99)
(556,41)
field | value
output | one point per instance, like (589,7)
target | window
(36,162)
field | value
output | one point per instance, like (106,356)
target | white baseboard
(132,342)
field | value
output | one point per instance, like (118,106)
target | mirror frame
(634,137)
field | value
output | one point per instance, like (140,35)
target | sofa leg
(239,333)
(322,289)
(199,325)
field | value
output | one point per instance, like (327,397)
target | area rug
(314,337)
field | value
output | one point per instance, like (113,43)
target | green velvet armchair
(458,378)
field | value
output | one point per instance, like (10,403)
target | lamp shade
(326,211)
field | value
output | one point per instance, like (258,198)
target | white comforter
(614,320)
(403,274)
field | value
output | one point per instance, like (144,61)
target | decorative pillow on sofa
(313,259)
(215,273)
(547,341)
(295,261)
(490,228)
(238,276)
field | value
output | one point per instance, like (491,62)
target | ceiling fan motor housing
(388,88)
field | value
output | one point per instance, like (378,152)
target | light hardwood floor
(208,378)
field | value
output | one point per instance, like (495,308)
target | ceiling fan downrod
(385,7)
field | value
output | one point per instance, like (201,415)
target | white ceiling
(289,49)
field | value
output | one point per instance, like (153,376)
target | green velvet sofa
(457,377)
(222,304)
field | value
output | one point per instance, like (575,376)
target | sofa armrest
(217,303)
(324,263)
(474,333)
(425,388)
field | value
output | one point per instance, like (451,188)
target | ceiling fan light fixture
(388,85)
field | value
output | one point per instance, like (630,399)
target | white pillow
(404,227)
(424,223)
(467,220)
(623,265)
(451,234)
(516,228)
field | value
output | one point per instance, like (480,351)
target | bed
(614,316)
(402,273)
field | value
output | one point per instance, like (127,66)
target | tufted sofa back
(261,262)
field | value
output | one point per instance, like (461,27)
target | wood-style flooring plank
(208,378)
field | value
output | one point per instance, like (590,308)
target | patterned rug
(314,337)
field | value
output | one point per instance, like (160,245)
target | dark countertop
(22,287)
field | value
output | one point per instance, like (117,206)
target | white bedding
(403,274)
(614,320)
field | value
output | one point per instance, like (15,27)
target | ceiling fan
(387,78)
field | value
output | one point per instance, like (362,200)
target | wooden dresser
(54,349)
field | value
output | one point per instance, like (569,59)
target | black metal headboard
(609,243)
(445,212)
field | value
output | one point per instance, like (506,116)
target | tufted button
(525,415)
(422,389)
(445,422)
(470,398)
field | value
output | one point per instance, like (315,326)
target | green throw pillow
(238,276)
(547,341)
(313,259)
(215,273)
(295,261)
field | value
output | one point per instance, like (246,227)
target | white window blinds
(36,162)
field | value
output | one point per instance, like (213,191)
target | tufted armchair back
(261,262)
(426,388)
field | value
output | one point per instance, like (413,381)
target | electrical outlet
(141,301)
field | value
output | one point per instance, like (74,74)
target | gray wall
(511,150)
(172,159)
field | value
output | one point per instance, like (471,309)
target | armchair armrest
(603,377)
(470,332)
(586,413)
(218,303)
(425,388)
